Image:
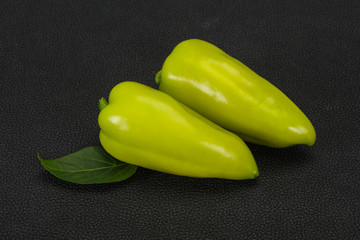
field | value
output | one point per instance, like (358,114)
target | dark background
(58,58)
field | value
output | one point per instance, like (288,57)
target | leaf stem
(102,103)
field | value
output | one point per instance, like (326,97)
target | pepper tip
(256,174)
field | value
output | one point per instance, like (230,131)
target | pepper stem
(102,103)
(158,77)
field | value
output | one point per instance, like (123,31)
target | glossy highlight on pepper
(149,128)
(225,91)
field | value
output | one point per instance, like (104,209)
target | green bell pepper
(149,128)
(227,92)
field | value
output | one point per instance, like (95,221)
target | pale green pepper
(149,128)
(227,92)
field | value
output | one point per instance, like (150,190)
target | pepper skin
(227,92)
(149,128)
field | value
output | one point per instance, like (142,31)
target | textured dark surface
(57,58)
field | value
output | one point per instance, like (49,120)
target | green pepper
(149,128)
(227,92)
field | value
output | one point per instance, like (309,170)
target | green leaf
(88,166)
